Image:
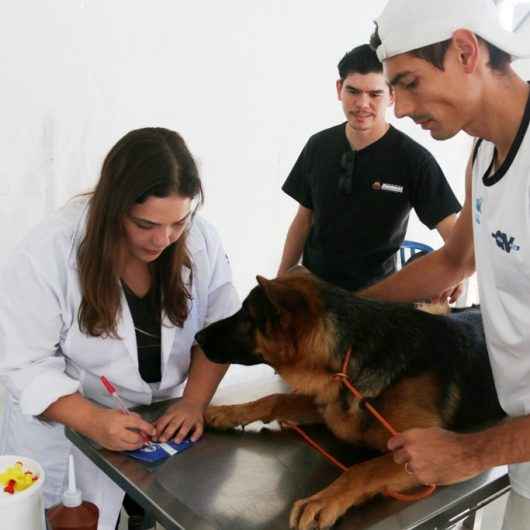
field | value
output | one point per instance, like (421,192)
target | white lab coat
(44,355)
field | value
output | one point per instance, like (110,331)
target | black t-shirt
(145,312)
(354,238)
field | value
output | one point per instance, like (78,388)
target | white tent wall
(245,83)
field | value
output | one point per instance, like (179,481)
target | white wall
(245,83)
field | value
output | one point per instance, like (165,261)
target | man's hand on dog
(450,295)
(181,419)
(435,456)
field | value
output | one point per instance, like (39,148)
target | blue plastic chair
(410,248)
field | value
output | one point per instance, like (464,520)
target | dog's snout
(228,341)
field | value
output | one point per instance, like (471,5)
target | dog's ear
(281,295)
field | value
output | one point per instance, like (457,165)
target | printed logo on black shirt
(383,186)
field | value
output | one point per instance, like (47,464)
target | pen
(111,389)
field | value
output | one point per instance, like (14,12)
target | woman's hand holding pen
(110,428)
(182,418)
(114,430)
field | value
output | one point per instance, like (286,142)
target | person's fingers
(198,430)
(138,443)
(395,442)
(436,299)
(401,456)
(130,438)
(161,425)
(171,428)
(183,431)
(457,292)
(134,421)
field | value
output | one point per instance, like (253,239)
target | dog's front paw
(319,511)
(224,416)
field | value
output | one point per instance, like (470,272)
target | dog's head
(276,320)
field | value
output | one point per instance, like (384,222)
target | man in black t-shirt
(356,184)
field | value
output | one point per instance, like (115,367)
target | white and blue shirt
(501,228)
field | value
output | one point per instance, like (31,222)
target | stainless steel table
(248,480)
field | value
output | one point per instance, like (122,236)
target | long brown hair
(145,162)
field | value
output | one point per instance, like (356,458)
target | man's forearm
(445,226)
(420,280)
(294,243)
(505,443)
(292,251)
(203,379)
(74,411)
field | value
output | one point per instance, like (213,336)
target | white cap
(406,25)
(72,496)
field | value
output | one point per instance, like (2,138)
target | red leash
(343,376)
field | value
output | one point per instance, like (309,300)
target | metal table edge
(114,474)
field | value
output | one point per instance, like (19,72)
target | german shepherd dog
(417,369)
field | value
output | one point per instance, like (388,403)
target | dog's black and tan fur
(419,369)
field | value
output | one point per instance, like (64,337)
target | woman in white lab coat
(66,299)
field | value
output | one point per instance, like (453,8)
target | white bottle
(73,513)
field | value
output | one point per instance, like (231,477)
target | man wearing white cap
(449,64)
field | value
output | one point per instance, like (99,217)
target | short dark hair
(435,53)
(361,60)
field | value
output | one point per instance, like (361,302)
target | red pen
(111,389)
